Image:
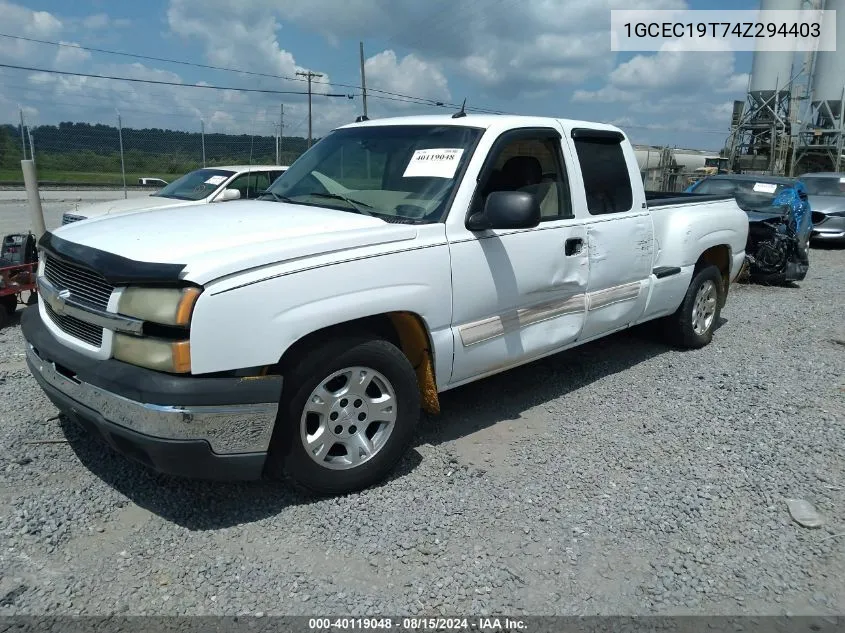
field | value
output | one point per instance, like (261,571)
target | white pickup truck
(302,333)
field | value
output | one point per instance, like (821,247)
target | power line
(397,96)
(164,83)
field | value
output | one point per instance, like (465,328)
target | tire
(8,307)
(342,419)
(682,328)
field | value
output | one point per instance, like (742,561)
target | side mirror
(506,210)
(229,194)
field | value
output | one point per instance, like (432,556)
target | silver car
(826,195)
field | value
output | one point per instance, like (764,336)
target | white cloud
(410,76)
(518,51)
(233,35)
(679,87)
(20,20)
(96,21)
(69,55)
(507,48)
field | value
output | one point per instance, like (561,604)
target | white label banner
(708,30)
(765,187)
(434,163)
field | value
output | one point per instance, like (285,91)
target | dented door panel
(621,254)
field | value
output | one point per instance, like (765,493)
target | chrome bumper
(230,429)
(828,234)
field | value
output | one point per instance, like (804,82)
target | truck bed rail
(666,198)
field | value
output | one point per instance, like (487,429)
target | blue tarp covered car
(780,223)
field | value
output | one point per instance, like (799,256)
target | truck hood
(122,205)
(827,204)
(214,240)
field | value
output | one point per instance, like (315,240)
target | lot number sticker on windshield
(216,180)
(764,187)
(434,163)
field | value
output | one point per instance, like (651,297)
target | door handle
(573,246)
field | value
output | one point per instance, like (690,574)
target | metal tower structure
(761,139)
(820,138)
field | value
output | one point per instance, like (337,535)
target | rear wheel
(693,323)
(347,415)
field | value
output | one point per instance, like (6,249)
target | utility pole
(281,133)
(363,78)
(23,137)
(122,164)
(310,76)
(202,132)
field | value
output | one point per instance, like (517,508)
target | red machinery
(18,269)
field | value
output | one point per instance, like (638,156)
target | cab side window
(531,163)
(605,172)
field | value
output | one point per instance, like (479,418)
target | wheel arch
(407,330)
(720,257)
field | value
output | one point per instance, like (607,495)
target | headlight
(167,306)
(152,353)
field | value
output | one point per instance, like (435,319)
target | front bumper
(831,229)
(206,428)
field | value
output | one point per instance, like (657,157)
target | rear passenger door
(620,233)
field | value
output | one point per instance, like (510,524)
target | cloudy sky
(543,57)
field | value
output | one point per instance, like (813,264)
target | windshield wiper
(276,196)
(336,196)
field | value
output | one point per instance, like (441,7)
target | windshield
(824,186)
(399,173)
(195,185)
(747,192)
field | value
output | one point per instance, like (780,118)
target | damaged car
(780,223)
(826,194)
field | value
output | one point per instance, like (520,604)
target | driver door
(518,294)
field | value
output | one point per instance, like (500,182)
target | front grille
(67,218)
(87,332)
(84,284)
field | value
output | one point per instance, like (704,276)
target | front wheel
(693,323)
(348,413)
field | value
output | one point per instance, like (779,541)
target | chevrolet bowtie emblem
(60,300)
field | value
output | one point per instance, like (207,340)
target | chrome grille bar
(83,283)
(77,328)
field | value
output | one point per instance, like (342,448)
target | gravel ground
(619,478)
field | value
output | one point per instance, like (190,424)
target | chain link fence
(119,155)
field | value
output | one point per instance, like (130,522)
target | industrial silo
(821,139)
(771,70)
(829,74)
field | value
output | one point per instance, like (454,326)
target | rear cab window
(604,168)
